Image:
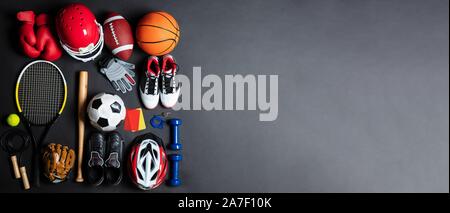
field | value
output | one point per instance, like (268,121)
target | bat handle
(80,178)
(82,95)
(15,166)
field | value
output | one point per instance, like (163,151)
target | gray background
(363,94)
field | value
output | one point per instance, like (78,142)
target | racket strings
(41,93)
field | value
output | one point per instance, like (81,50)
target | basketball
(157,33)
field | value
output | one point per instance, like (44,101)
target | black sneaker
(95,173)
(113,170)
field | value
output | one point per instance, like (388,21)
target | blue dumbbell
(174,169)
(175,142)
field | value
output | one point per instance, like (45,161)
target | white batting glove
(120,73)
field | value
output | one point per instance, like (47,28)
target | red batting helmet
(79,32)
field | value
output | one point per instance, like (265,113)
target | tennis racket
(41,93)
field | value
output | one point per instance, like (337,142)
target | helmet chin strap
(98,47)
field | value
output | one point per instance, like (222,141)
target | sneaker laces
(169,77)
(151,77)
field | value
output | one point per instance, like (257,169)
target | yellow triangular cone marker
(141,120)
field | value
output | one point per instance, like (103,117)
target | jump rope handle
(23,173)
(82,96)
(15,166)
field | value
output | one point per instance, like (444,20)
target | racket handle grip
(36,178)
(82,96)
(26,183)
(15,166)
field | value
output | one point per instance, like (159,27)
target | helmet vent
(140,175)
(144,161)
(154,176)
(152,166)
(81,36)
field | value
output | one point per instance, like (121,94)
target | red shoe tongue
(153,68)
(152,72)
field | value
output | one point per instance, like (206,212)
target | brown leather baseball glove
(58,160)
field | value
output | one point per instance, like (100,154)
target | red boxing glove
(46,43)
(26,34)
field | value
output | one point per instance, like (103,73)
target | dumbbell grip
(175,170)
(175,134)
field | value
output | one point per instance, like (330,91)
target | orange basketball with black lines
(157,33)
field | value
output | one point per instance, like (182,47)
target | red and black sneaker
(170,88)
(149,85)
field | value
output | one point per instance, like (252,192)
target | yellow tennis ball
(13,120)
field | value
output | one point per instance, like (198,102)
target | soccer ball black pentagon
(106,111)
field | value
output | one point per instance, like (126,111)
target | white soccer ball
(106,111)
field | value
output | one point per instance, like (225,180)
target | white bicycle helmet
(148,162)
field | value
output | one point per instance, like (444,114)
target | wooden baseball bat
(82,95)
